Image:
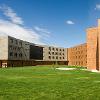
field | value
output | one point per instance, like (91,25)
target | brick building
(77,55)
(87,54)
(93,47)
(15,52)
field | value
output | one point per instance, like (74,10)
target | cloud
(70,22)
(15,27)
(42,31)
(11,14)
(97,7)
(23,33)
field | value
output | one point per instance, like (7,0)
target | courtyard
(48,83)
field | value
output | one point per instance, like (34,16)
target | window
(50,48)
(49,53)
(56,53)
(56,57)
(11,54)
(20,43)
(15,54)
(82,62)
(20,55)
(10,47)
(56,49)
(11,40)
(52,52)
(59,57)
(59,53)
(53,49)
(18,48)
(53,57)
(49,57)
(16,41)
(15,48)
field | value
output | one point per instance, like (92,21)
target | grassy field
(46,83)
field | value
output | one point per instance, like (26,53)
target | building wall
(93,47)
(3,47)
(77,56)
(51,53)
(18,49)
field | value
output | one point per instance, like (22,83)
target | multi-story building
(77,55)
(87,54)
(18,49)
(16,52)
(51,53)
(93,47)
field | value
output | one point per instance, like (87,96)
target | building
(77,55)
(87,54)
(51,53)
(54,55)
(93,47)
(16,52)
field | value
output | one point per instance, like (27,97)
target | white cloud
(42,31)
(17,31)
(14,27)
(11,14)
(70,22)
(97,7)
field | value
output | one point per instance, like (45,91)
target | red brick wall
(77,55)
(92,49)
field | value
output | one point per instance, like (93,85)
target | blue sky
(53,22)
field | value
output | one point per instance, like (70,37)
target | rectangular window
(53,57)
(11,40)
(56,49)
(11,54)
(59,57)
(49,57)
(16,41)
(53,53)
(15,54)
(53,49)
(49,53)
(56,57)
(50,48)
(20,43)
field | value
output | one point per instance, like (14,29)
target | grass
(47,83)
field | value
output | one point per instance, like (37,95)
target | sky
(60,23)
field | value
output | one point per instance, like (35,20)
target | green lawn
(46,83)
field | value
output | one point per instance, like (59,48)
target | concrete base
(95,71)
